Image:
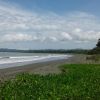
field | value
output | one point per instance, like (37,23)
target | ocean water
(8,59)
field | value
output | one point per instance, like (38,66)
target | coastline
(42,68)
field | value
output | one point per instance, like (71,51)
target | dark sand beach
(42,68)
(39,68)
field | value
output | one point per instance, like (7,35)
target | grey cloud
(19,25)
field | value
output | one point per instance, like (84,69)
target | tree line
(75,51)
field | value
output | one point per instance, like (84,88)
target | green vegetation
(93,58)
(76,82)
(95,50)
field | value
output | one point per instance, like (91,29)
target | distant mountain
(76,51)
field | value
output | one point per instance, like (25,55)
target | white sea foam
(13,61)
(16,59)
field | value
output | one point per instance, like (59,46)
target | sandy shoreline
(40,68)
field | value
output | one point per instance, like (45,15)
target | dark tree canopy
(95,50)
(98,44)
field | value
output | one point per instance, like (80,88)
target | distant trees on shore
(73,51)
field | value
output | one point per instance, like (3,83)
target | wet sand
(40,68)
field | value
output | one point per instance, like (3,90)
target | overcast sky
(49,24)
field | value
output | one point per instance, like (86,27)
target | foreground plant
(76,82)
